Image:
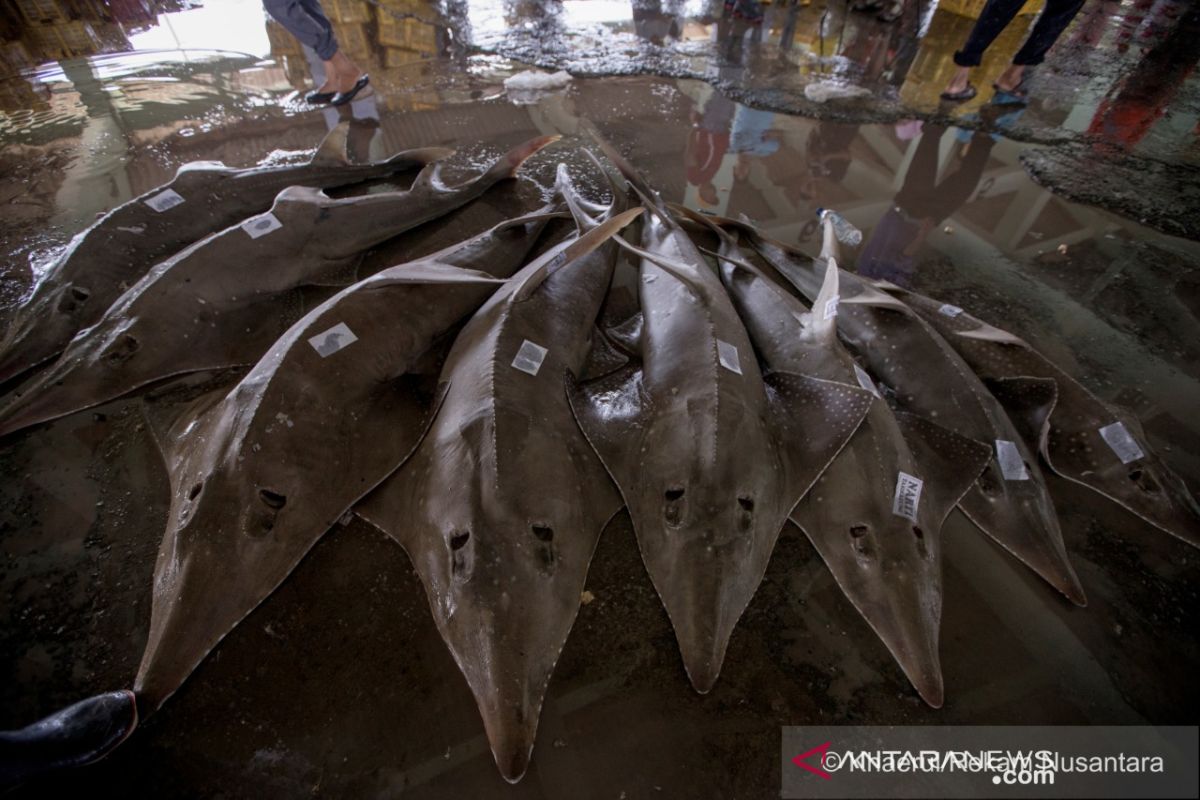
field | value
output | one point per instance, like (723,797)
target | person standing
(996,16)
(305,20)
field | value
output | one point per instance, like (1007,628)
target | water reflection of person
(342,79)
(922,203)
(708,141)
(654,24)
(740,20)
(362,112)
(752,137)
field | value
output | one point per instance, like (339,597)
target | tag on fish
(168,198)
(332,340)
(1117,437)
(261,225)
(530,357)
(908,496)
(831,306)
(948,310)
(1012,466)
(727,354)
(864,380)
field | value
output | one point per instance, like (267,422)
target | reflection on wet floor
(948,209)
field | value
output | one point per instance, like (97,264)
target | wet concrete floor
(338,684)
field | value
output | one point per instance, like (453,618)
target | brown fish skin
(709,458)
(1063,421)
(1018,514)
(260,476)
(223,301)
(502,504)
(101,262)
(888,566)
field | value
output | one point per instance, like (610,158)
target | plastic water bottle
(845,232)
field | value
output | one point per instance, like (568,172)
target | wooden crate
(973,8)
(408,33)
(353,39)
(353,11)
(43,12)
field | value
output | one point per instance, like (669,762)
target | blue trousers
(996,16)
(305,20)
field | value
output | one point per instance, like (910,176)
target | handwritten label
(864,380)
(1117,437)
(908,496)
(831,306)
(530,357)
(160,202)
(1012,465)
(727,354)
(332,340)
(948,310)
(261,225)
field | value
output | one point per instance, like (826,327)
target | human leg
(1049,26)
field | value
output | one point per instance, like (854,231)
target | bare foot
(960,80)
(346,72)
(1011,78)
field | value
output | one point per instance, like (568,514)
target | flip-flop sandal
(960,96)
(341,98)
(1019,91)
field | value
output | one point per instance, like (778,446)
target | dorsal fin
(422,155)
(824,307)
(507,165)
(332,150)
(431,271)
(556,259)
(706,220)
(583,217)
(988,333)
(829,243)
(627,170)
(673,268)
(429,178)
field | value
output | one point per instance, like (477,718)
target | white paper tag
(1122,443)
(530,357)
(160,202)
(332,340)
(831,307)
(261,225)
(948,310)
(727,354)
(864,380)
(1012,466)
(908,496)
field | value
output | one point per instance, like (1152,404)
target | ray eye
(543,533)
(194,492)
(858,531)
(272,499)
(746,503)
(917,532)
(80,294)
(1136,475)
(673,494)
(459,540)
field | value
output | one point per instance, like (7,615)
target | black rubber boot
(77,735)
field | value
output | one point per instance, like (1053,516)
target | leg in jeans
(305,20)
(996,16)
(1049,26)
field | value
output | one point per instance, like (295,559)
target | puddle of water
(339,682)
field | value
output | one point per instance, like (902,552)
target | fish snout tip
(512,748)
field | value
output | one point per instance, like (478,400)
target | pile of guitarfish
(479,403)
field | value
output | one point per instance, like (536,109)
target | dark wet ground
(339,684)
